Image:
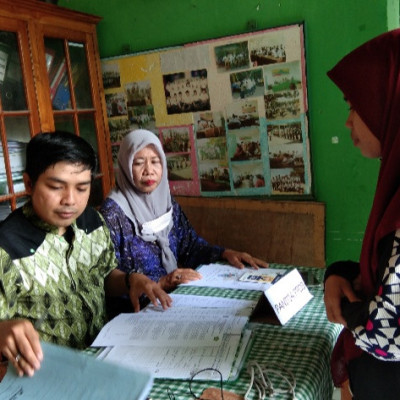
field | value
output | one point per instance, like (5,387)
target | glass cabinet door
(64,58)
(50,78)
(17,119)
(71,96)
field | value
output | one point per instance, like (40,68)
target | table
(303,346)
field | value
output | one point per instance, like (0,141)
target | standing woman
(151,234)
(365,296)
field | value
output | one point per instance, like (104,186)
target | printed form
(179,352)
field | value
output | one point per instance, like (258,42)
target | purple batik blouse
(135,254)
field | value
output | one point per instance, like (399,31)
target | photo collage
(231,113)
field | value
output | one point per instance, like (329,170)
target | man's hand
(336,288)
(19,343)
(141,284)
(240,259)
(178,276)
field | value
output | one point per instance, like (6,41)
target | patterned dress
(375,322)
(135,254)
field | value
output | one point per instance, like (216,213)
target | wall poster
(231,112)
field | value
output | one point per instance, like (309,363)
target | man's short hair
(46,149)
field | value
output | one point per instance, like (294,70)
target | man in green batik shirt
(57,261)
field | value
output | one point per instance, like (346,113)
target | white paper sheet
(233,306)
(180,362)
(228,277)
(173,327)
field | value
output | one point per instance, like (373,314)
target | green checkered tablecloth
(302,346)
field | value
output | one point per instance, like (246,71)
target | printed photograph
(283,84)
(260,276)
(211,149)
(284,133)
(248,83)
(116,104)
(242,114)
(267,49)
(186,92)
(232,56)
(111,75)
(282,105)
(138,94)
(283,77)
(244,145)
(265,55)
(287,168)
(142,117)
(176,140)
(214,177)
(209,125)
(248,175)
(119,128)
(287,181)
(286,156)
(179,167)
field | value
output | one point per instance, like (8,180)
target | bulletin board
(231,112)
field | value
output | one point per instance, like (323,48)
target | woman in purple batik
(151,234)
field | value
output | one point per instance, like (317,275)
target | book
(67,374)
(58,77)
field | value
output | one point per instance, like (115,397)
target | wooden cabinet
(50,78)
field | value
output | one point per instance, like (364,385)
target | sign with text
(288,296)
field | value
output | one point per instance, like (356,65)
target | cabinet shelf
(50,78)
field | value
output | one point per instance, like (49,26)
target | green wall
(342,178)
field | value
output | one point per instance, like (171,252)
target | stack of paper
(197,332)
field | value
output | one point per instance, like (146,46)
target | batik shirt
(135,254)
(53,282)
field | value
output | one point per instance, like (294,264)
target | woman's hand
(19,343)
(240,259)
(141,284)
(337,288)
(178,276)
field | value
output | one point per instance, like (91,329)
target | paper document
(228,277)
(184,362)
(233,306)
(67,374)
(179,362)
(172,327)
(172,354)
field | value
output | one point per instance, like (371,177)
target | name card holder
(288,296)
